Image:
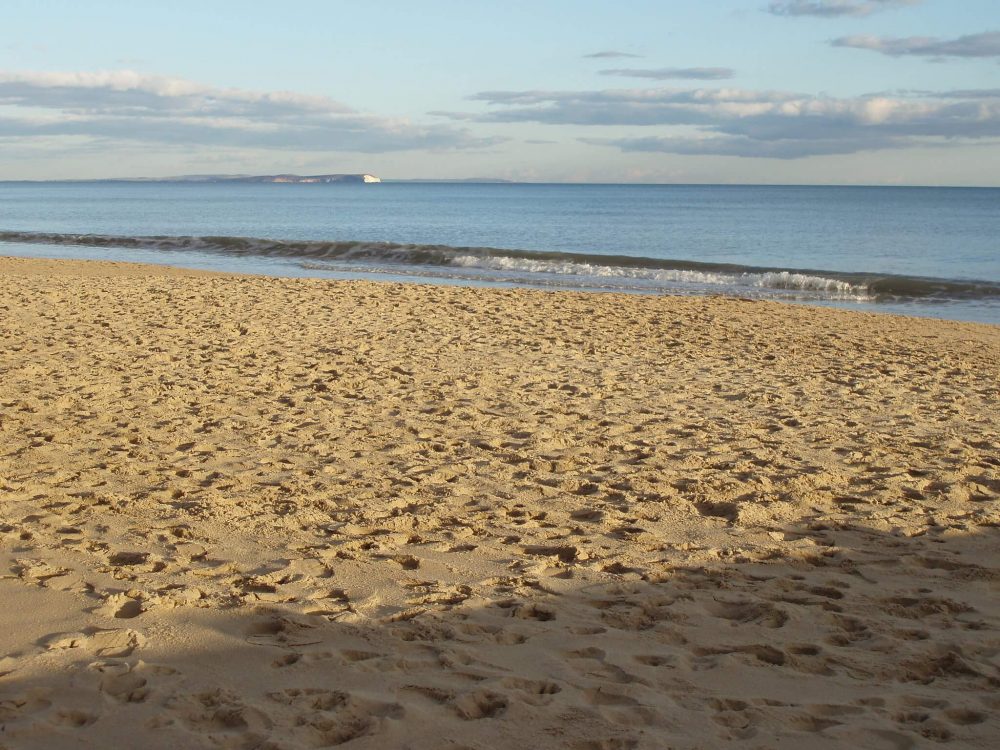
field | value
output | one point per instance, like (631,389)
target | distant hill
(281,178)
(284,178)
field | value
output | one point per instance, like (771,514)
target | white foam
(784,280)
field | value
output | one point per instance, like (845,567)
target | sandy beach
(269,514)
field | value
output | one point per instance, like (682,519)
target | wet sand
(244,512)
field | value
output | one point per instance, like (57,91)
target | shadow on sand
(841,636)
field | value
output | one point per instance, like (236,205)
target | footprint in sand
(481,704)
(325,718)
(32,709)
(120,606)
(25,704)
(736,717)
(215,711)
(97,641)
(529,611)
(611,743)
(42,573)
(280,630)
(534,692)
(744,612)
(121,681)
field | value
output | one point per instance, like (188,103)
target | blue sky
(800,91)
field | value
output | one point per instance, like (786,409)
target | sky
(649,91)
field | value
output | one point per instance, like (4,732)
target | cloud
(834,8)
(986,44)
(662,74)
(964,94)
(130,106)
(608,54)
(743,146)
(742,122)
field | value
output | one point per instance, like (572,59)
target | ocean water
(916,251)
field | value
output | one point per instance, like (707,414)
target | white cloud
(130,106)
(663,74)
(610,54)
(741,122)
(740,146)
(986,44)
(834,8)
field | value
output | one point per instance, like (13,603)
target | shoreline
(250,511)
(312,271)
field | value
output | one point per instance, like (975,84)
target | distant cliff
(281,178)
(297,178)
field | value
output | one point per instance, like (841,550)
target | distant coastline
(290,178)
(303,179)
(296,179)
(266,178)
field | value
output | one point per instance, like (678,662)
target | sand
(242,512)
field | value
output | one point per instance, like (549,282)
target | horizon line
(504,181)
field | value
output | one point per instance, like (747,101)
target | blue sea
(917,251)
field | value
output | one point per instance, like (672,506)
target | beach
(250,512)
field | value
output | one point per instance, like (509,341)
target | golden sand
(252,513)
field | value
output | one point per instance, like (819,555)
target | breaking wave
(559,268)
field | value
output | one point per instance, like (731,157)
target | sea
(921,251)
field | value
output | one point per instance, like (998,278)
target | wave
(567,266)
(787,280)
